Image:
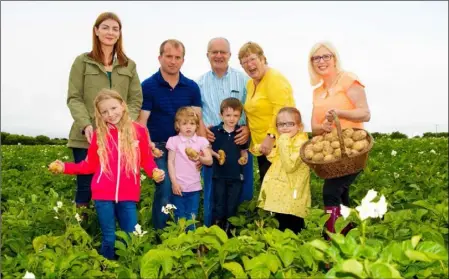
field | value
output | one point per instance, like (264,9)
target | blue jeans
(83,191)
(246,195)
(107,212)
(163,192)
(186,205)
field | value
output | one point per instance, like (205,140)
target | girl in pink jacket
(118,149)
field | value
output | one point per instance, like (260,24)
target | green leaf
(417,256)
(120,245)
(287,256)
(415,240)
(272,262)
(236,269)
(94,273)
(433,250)
(39,243)
(319,244)
(383,270)
(221,234)
(354,267)
(260,272)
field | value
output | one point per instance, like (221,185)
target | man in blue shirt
(219,83)
(163,94)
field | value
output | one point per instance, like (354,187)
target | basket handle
(340,135)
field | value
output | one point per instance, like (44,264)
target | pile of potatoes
(326,147)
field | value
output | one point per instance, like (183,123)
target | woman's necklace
(329,89)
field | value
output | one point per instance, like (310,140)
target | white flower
(345,211)
(142,177)
(138,231)
(55,209)
(65,157)
(56,217)
(381,207)
(421,152)
(29,275)
(366,210)
(433,151)
(170,206)
(165,210)
(393,153)
(21,144)
(396,175)
(370,196)
(78,217)
(59,204)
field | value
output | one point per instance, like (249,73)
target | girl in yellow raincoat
(286,186)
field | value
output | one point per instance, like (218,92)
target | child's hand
(158,175)
(176,189)
(56,167)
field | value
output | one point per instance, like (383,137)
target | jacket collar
(182,79)
(192,139)
(220,128)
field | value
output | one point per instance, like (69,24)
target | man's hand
(242,135)
(88,132)
(210,136)
(267,145)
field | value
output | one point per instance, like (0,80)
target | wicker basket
(343,166)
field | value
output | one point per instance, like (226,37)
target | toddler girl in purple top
(184,176)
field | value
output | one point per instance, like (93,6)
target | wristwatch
(271,136)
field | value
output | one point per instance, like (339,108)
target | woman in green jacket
(106,66)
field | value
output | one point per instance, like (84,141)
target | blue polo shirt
(231,169)
(163,101)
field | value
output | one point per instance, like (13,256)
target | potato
(358,145)
(354,152)
(157,174)
(309,147)
(222,158)
(156,152)
(255,149)
(328,158)
(317,147)
(327,150)
(309,154)
(243,160)
(366,143)
(335,144)
(316,139)
(328,137)
(348,151)
(347,133)
(318,157)
(326,143)
(348,142)
(55,168)
(359,135)
(337,153)
(191,153)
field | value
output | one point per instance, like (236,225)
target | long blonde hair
(315,79)
(127,134)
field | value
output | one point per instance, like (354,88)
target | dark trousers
(83,191)
(163,192)
(226,193)
(264,165)
(336,190)
(292,222)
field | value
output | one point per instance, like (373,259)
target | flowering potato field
(45,236)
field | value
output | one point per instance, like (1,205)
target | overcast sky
(399,50)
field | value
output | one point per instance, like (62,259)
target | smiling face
(171,59)
(254,66)
(219,54)
(108,32)
(111,110)
(323,61)
(287,123)
(230,117)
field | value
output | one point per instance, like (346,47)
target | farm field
(41,232)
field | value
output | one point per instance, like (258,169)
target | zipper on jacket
(118,169)
(101,173)
(135,174)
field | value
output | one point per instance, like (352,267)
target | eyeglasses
(285,124)
(216,52)
(249,59)
(326,57)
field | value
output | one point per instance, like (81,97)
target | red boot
(334,211)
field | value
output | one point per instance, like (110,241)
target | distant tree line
(13,139)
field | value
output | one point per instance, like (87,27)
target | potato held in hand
(243,160)
(157,174)
(156,152)
(222,158)
(56,168)
(191,153)
(255,149)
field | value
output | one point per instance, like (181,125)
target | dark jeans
(107,212)
(292,222)
(336,190)
(163,192)
(83,191)
(264,165)
(226,193)
(186,206)
(246,194)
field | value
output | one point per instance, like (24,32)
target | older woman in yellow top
(267,92)
(286,187)
(343,93)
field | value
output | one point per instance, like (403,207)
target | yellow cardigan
(264,102)
(286,186)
